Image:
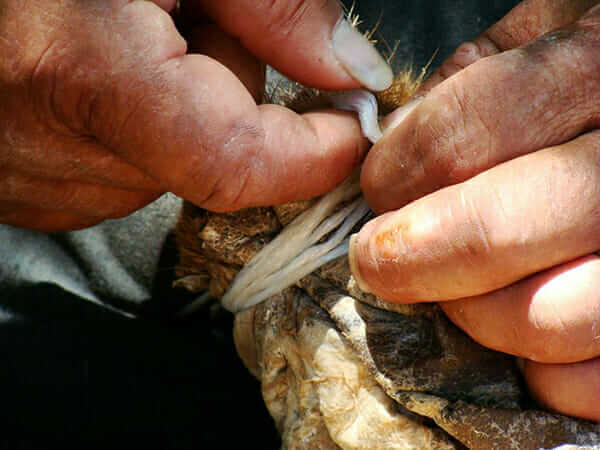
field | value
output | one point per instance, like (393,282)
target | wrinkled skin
(105,106)
(490,194)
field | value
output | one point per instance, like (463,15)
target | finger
(307,40)
(74,159)
(20,191)
(527,21)
(550,317)
(211,41)
(191,124)
(47,221)
(571,389)
(496,109)
(518,218)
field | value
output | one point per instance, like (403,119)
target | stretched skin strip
(290,242)
(289,256)
(308,261)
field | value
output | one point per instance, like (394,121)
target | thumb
(191,124)
(307,40)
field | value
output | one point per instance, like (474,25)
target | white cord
(295,252)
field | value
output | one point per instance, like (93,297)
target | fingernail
(360,58)
(362,285)
(393,119)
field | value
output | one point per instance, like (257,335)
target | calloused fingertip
(354,267)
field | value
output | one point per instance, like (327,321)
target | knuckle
(568,62)
(459,136)
(475,239)
(128,113)
(234,173)
(440,135)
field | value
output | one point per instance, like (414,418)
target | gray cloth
(116,259)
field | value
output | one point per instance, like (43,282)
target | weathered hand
(102,110)
(497,176)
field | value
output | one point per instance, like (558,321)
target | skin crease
(489,189)
(105,106)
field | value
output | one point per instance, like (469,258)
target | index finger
(511,221)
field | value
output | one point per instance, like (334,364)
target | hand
(101,110)
(497,176)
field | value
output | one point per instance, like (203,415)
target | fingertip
(307,40)
(298,157)
(379,262)
(360,58)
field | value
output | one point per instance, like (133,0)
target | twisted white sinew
(296,251)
